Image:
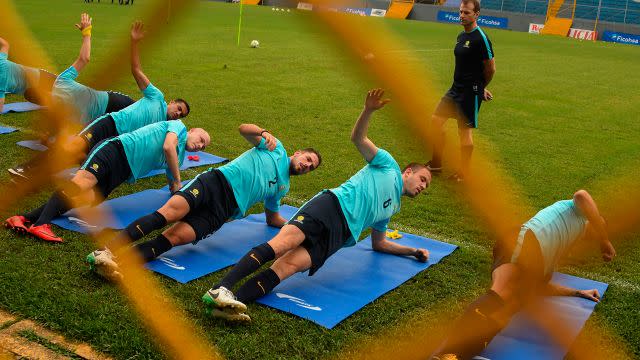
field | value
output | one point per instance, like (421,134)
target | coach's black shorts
(211,203)
(108,162)
(101,129)
(117,102)
(463,104)
(324,226)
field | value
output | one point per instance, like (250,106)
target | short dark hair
(314,151)
(186,104)
(476,4)
(414,166)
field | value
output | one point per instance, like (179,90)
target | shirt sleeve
(4,74)
(153,93)
(383,159)
(175,126)
(69,74)
(487,47)
(381,225)
(272,204)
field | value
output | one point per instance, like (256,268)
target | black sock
(33,215)
(152,249)
(473,331)
(137,229)
(249,263)
(465,158)
(56,206)
(258,286)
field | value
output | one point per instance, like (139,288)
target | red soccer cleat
(44,232)
(17,223)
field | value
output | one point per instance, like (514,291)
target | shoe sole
(212,304)
(103,269)
(16,229)
(227,316)
(17,174)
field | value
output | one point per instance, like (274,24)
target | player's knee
(286,267)
(174,209)
(177,237)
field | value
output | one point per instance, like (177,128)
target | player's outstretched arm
(137,34)
(4,46)
(380,243)
(585,203)
(359,136)
(274,218)
(254,134)
(559,290)
(85,50)
(171,155)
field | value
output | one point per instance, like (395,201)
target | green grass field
(564,117)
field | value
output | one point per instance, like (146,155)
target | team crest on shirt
(194,192)
(467,44)
(88,136)
(299,219)
(95,167)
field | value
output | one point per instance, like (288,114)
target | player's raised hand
(85,22)
(137,31)
(269,140)
(374,100)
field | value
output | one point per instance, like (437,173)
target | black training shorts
(324,226)
(463,104)
(100,129)
(108,163)
(211,202)
(117,102)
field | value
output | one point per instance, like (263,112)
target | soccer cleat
(433,169)
(18,224)
(223,299)
(455,177)
(229,315)
(103,263)
(44,232)
(19,172)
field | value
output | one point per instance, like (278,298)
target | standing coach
(475,66)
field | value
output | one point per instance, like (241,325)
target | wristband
(263,131)
(86,31)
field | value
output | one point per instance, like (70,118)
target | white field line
(611,280)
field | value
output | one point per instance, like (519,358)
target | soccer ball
(255,44)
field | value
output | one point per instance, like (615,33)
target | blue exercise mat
(7,130)
(205,159)
(124,210)
(20,107)
(523,340)
(32,144)
(219,250)
(351,279)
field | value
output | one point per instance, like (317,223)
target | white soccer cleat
(103,263)
(229,315)
(223,299)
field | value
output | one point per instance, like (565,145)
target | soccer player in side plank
(260,174)
(83,103)
(34,84)
(522,271)
(114,161)
(152,108)
(329,221)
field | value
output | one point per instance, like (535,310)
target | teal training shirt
(371,196)
(143,147)
(13,77)
(150,109)
(87,102)
(258,175)
(556,227)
